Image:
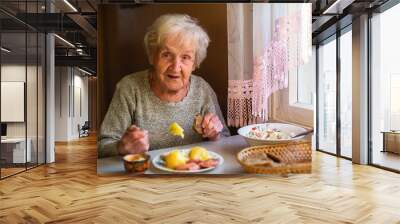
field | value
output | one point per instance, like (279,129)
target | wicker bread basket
(294,157)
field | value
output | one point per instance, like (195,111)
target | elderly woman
(147,102)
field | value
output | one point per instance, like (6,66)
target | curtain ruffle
(288,48)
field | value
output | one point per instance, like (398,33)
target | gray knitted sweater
(135,103)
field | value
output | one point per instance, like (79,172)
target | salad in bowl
(271,133)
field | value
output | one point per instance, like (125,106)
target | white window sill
(302,106)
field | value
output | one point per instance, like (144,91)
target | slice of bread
(198,119)
(258,159)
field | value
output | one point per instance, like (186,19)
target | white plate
(286,128)
(160,164)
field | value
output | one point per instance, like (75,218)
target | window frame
(294,85)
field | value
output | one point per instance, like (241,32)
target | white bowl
(288,129)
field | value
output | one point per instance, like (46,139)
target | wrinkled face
(174,63)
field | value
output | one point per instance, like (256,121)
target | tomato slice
(193,166)
(209,163)
(188,166)
(197,161)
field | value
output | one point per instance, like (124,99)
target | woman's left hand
(212,126)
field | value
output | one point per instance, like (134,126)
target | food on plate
(263,133)
(196,158)
(174,159)
(188,166)
(176,129)
(198,119)
(199,153)
(209,163)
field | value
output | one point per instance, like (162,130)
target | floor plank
(69,191)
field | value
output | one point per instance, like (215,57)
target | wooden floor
(386,159)
(69,191)
(10,171)
(5,172)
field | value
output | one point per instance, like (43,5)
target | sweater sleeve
(212,106)
(117,119)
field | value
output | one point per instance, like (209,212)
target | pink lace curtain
(265,41)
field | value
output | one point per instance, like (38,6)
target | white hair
(176,25)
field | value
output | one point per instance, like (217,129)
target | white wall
(33,127)
(80,103)
(70,83)
(12,73)
(61,103)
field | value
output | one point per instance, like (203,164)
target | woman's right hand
(134,140)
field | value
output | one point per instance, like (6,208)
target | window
(327,96)
(394,118)
(335,94)
(22,73)
(385,86)
(346,93)
(302,84)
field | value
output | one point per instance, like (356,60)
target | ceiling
(76,22)
(332,15)
(72,20)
